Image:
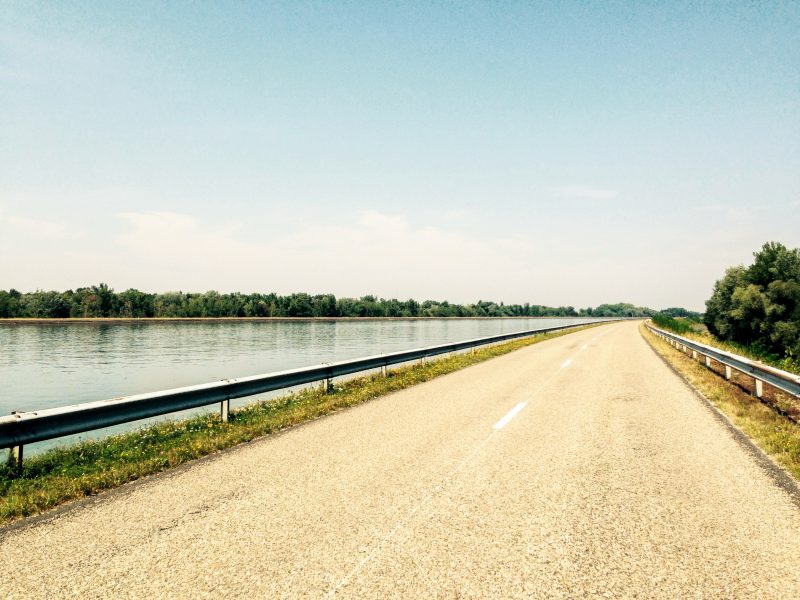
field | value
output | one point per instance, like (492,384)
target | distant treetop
(102,301)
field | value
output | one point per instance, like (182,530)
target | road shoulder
(732,402)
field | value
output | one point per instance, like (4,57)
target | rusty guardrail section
(22,428)
(784,381)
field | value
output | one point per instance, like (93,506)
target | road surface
(578,467)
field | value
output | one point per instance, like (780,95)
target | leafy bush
(679,326)
(759,306)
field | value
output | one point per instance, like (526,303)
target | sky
(555,153)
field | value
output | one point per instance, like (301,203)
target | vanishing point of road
(577,467)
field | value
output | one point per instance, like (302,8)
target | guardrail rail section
(27,427)
(762,374)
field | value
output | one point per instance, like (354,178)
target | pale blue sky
(555,153)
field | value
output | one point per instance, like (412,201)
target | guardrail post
(327,384)
(16,457)
(708,361)
(728,372)
(694,354)
(385,371)
(758,388)
(224,410)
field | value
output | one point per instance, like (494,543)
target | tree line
(759,305)
(102,301)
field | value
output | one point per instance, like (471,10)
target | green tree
(9,304)
(44,305)
(760,305)
(300,305)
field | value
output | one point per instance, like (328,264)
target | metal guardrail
(761,373)
(22,428)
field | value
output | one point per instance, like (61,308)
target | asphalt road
(578,467)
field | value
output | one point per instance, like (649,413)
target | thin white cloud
(459,214)
(372,252)
(43,229)
(61,50)
(14,75)
(586,192)
(739,214)
(377,252)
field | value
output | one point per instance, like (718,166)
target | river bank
(169,320)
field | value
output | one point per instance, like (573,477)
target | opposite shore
(162,320)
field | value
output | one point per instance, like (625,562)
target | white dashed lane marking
(510,415)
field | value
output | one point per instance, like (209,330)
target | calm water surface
(43,366)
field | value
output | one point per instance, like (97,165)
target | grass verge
(84,469)
(774,433)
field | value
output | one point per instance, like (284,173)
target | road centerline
(438,488)
(510,415)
